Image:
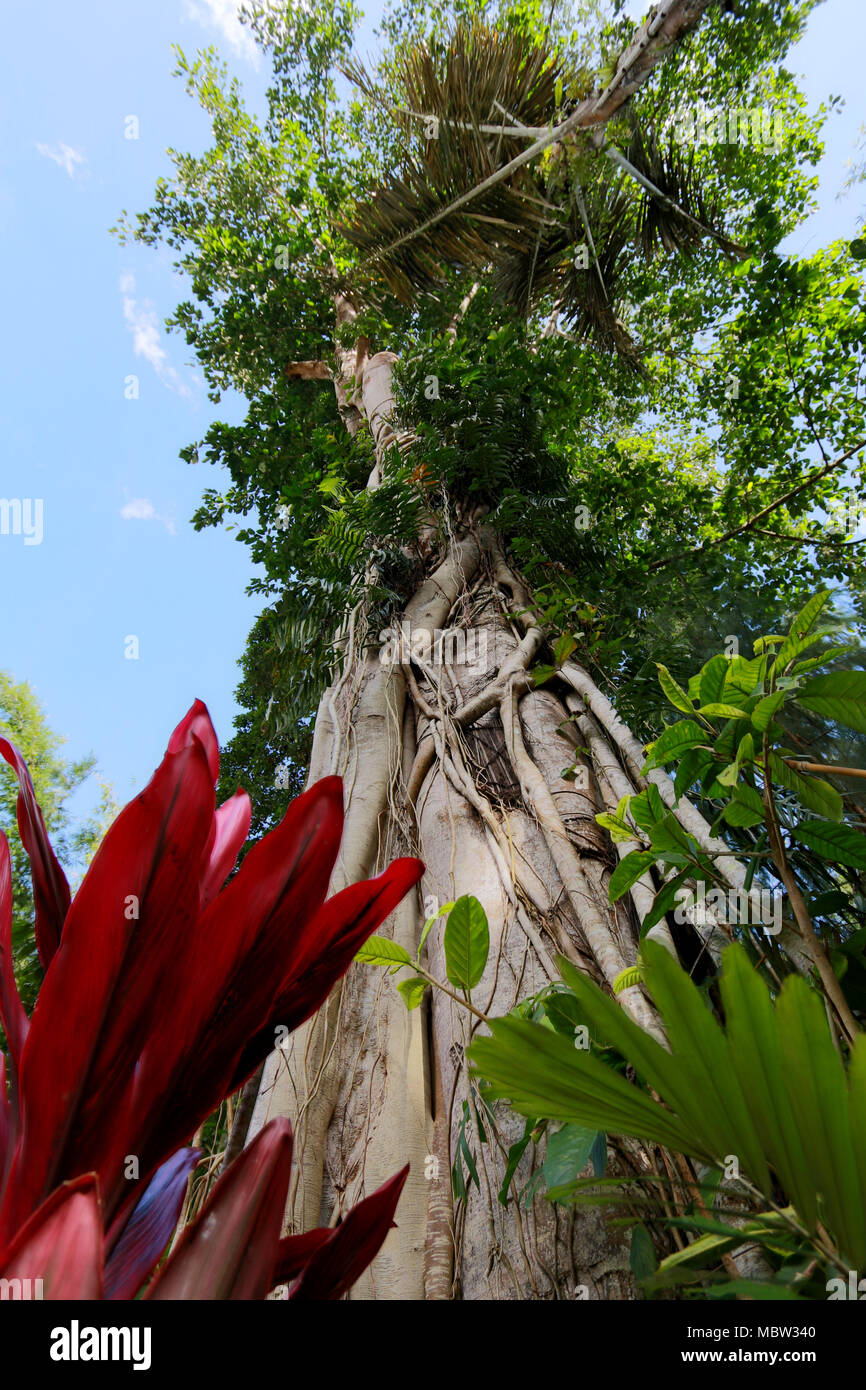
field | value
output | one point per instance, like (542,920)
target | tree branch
(814,477)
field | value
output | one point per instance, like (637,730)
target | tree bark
(451,754)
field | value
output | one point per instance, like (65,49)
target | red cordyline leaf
(338,1262)
(7,1137)
(12,1014)
(150,1227)
(161,984)
(339,930)
(230,829)
(50,889)
(61,1244)
(92,995)
(296,1251)
(230,1250)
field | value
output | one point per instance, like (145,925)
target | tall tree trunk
(448,752)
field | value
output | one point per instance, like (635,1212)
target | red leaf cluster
(165,987)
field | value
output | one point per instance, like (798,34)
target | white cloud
(68,158)
(143,323)
(223,15)
(142,509)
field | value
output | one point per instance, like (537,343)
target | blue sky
(118,556)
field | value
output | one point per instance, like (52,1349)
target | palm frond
(479,78)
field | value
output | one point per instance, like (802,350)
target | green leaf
(722,711)
(700,1049)
(381,950)
(806,618)
(466,942)
(642,1255)
(743,675)
(515,1154)
(760,644)
(756,1055)
(745,807)
(565,645)
(540,674)
(629,870)
(839,843)
(618,830)
(412,991)
(793,646)
(627,978)
(841,696)
(818,1092)
(712,680)
(691,769)
(542,1074)
(673,742)
(664,900)
(444,909)
(568,1152)
(814,793)
(674,692)
(765,709)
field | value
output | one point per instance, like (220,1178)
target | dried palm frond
(455,201)
(680,218)
(584,288)
(480,88)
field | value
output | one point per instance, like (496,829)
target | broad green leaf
(673,742)
(814,793)
(663,1071)
(793,646)
(568,1152)
(745,807)
(412,991)
(765,710)
(674,692)
(629,870)
(691,769)
(806,618)
(841,696)
(857,1109)
(841,844)
(756,1054)
(466,942)
(540,674)
(617,829)
(829,654)
(744,675)
(543,1075)
(722,711)
(381,950)
(818,1093)
(565,645)
(642,1255)
(700,1048)
(712,680)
